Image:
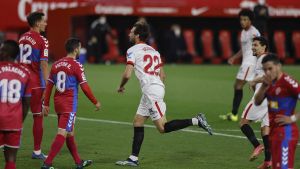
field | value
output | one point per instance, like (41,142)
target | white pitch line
(152,126)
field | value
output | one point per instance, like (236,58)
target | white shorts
(257,113)
(246,72)
(152,103)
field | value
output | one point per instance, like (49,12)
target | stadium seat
(296,44)
(207,39)
(279,44)
(225,44)
(189,36)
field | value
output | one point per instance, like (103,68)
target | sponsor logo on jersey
(273,104)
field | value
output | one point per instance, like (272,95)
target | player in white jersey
(253,113)
(147,64)
(246,72)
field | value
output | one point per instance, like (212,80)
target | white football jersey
(147,63)
(246,41)
(259,71)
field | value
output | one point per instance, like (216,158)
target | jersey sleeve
(51,76)
(293,86)
(255,33)
(130,58)
(79,73)
(44,49)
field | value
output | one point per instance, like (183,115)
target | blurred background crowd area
(183,31)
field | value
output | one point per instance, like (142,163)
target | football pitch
(106,136)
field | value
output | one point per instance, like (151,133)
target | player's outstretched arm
(88,92)
(234,57)
(46,101)
(126,76)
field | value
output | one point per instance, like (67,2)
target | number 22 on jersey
(152,64)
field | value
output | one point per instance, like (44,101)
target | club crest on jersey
(278,90)
(273,104)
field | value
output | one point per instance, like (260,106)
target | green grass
(189,89)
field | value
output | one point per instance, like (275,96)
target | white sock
(38,152)
(195,121)
(133,158)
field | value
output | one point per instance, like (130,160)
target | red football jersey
(33,49)
(66,74)
(282,99)
(13,87)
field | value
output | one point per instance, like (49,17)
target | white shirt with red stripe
(147,63)
(246,42)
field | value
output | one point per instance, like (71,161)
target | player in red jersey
(13,104)
(282,93)
(66,74)
(34,55)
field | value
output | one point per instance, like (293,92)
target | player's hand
(121,90)
(97,105)
(283,119)
(231,61)
(45,110)
(267,80)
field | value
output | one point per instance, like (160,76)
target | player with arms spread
(282,93)
(246,72)
(34,56)
(146,63)
(66,74)
(14,101)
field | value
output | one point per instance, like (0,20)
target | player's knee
(62,132)
(243,122)
(161,130)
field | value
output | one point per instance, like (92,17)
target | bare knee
(239,84)
(244,121)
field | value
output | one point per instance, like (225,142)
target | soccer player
(246,72)
(258,113)
(66,74)
(282,93)
(14,104)
(34,56)
(147,64)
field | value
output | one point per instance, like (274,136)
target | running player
(146,63)
(258,113)
(66,74)
(246,72)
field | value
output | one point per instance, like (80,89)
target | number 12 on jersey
(152,64)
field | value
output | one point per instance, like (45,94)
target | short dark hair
(271,58)
(142,29)
(34,17)
(248,13)
(263,41)
(71,44)
(10,50)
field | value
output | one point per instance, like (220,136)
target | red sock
(73,149)
(37,130)
(55,148)
(10,165)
